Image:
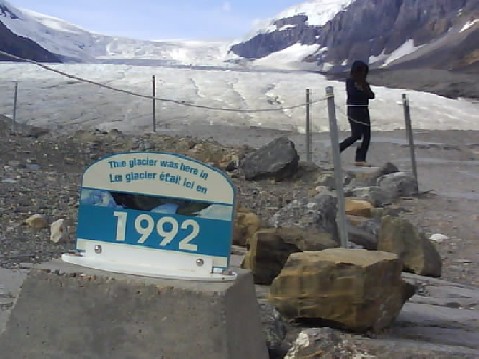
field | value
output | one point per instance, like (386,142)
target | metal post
(154,103)
(409,134)
(15,98)
(309,154)
(338,172)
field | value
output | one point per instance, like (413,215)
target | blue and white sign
(155,214)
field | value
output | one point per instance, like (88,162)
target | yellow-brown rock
(358,207)
(399,236)
(266,255)
(356,220)
(37,221)
(270,248)
(352,289)
(245,226)
(214,154)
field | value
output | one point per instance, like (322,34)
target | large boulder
(245,226)
(277,160)
(270,248)
(352,289)
(398,184)
(399,236)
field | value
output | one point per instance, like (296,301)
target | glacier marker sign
(155,214)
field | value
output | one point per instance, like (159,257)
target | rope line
(178,102)
(341,111)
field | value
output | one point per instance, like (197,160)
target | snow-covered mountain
(330,34)
(324,35)
(70,43)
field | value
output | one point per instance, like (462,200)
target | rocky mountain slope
(19,45)
(69,43)
(401,33)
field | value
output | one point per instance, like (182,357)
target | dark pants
(360,128)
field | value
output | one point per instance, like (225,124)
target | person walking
(358,95)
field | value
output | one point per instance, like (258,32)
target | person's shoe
(361,164)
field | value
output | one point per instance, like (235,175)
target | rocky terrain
(40,173)
(21,46)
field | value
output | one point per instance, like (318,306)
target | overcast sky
(162,19)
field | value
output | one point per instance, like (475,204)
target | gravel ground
(42,175)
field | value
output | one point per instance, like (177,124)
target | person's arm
(369,92)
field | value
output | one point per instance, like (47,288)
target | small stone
(327,180)
(312,205)
(37,221)
(14,164)
(462,261)
(438,237)
(59,231)
(32,167)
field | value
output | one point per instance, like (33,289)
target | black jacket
(357,96)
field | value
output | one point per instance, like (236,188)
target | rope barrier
(351,119)
(178,102)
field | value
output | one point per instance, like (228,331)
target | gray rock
(364,234)
(318,214)
(278,160)
(35,132)
(325,219)
(327,180)
(375,195)
(321,342)
(274,327)
(15,164)
(444,293)
(398,184)
(388,168)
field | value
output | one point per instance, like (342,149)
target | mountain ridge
(380,32)
(66,42)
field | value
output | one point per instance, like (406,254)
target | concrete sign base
(71,312)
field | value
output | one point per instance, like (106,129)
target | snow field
(50,100)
